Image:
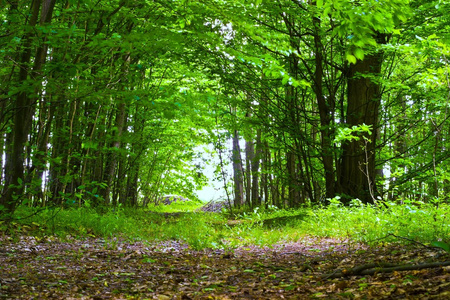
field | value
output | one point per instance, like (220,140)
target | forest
(325,125)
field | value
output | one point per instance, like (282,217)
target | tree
(24,99)
(103,102)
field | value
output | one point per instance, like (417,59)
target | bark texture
(357,178)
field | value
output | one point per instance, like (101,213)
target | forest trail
(112,269)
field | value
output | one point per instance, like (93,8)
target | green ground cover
(183,221)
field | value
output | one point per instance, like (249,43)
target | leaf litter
(96,268)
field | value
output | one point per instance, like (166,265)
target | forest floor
(95,268)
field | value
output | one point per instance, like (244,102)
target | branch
(373,268)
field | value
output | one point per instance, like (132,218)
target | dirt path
(98,269)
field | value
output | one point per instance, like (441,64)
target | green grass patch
(179,206)
(371,224)
(182,221)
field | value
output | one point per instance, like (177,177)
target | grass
(180,206)
(421,222)
(264,227)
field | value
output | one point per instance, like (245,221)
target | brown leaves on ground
(99,269)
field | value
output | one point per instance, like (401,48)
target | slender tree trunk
(274,182)
(132,187)
(265,177)
(296,132)
(237,171)
(40,160)
(137,148)
(256,200)
(399,149)
(113,158)
(119,191)
(92,158)
(59,141)
(2,151)
(249,157)
(293,180)
(326,108)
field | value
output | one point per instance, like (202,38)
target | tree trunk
(256,200)
(59,140)
(326,108)
(265,177)
(275,182)
(249,157)
(292,178)
(357,178)
(41,157)
(24,106)
(112,161)
(237,171)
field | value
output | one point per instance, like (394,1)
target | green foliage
(178,206)
(442,245)
(359,24)
(354,133)
(424,223)
(371,224)
(129,96)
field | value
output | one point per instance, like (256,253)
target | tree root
(373,268)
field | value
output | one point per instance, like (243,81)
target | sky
(214,190)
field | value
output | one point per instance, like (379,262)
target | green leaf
(359,53)
(319,3)
(351,59)
(442,245)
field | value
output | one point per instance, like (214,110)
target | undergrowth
(423,223)
(179,206)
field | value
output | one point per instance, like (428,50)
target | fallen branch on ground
(373,268)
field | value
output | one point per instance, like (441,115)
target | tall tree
(24,102)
